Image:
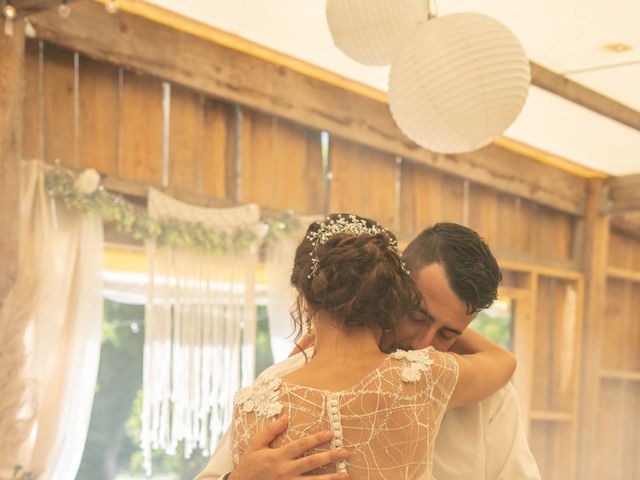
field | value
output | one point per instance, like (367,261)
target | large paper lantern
(458,83)
(371,31)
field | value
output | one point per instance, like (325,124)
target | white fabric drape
(63,248)
(200,329)
(281,295)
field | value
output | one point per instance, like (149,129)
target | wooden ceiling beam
(32,7)
(241,77)
(566,88)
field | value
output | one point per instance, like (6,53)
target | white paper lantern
(458,83)
(371,31)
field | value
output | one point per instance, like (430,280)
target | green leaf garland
(135,221)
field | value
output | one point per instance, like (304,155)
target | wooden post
(594,256)
(11,100)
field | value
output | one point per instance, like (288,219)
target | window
(496,322)
(112,450)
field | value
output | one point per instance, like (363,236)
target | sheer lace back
(388,421)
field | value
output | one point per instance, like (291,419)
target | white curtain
(61,255)
(200,330)
(281,295)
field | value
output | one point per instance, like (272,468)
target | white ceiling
(566,36)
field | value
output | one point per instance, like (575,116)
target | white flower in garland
(87,182)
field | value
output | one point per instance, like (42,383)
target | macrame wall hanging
(200,328)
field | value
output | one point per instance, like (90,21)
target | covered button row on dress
(336,426)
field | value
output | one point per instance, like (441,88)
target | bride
(385,409)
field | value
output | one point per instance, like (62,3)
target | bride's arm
(484,368)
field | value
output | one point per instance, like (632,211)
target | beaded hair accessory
(352,226)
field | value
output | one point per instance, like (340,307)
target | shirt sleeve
(507,449)
(444,376)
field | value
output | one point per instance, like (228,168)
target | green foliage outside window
(496,323)
(112,450)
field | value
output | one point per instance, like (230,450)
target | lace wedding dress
(388,420)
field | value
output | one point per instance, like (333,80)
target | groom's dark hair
(471,268)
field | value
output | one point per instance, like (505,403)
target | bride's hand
(304,343)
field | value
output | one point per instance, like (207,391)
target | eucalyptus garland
(85,193)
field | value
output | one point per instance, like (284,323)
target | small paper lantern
(458,83)
(371,31)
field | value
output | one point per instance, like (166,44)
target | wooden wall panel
(281,164)
(556,350)
(533,231)
(32,130)
(483,213)
(453,200)
(543,355)
(420,198)
(99,117)
(614,329)
(217,136)
(185,139)
(59,106)
(624,251)
(363,181)
(566,350)
(199,137)
(142,129)
(631,435)
(633,334)
(549,444)
(511,224)
(611,419)
(552,233)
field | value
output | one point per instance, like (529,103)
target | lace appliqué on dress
(262,398)
(418,361)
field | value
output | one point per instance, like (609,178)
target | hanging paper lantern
(458,83)
(371,31)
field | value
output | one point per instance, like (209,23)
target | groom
(457,276)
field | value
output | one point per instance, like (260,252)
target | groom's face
(446,315)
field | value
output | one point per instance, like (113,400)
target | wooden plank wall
(554,409)
(618,399)
(85,114)
(144,130)
(280,164)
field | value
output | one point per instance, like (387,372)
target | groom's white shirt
(484,441)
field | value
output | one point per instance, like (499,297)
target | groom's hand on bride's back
(260,462)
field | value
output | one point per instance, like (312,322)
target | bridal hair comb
(350,225)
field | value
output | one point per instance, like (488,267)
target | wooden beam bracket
(622,194)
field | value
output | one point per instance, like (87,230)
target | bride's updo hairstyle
(349,266)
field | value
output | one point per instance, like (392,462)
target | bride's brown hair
(358,278)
